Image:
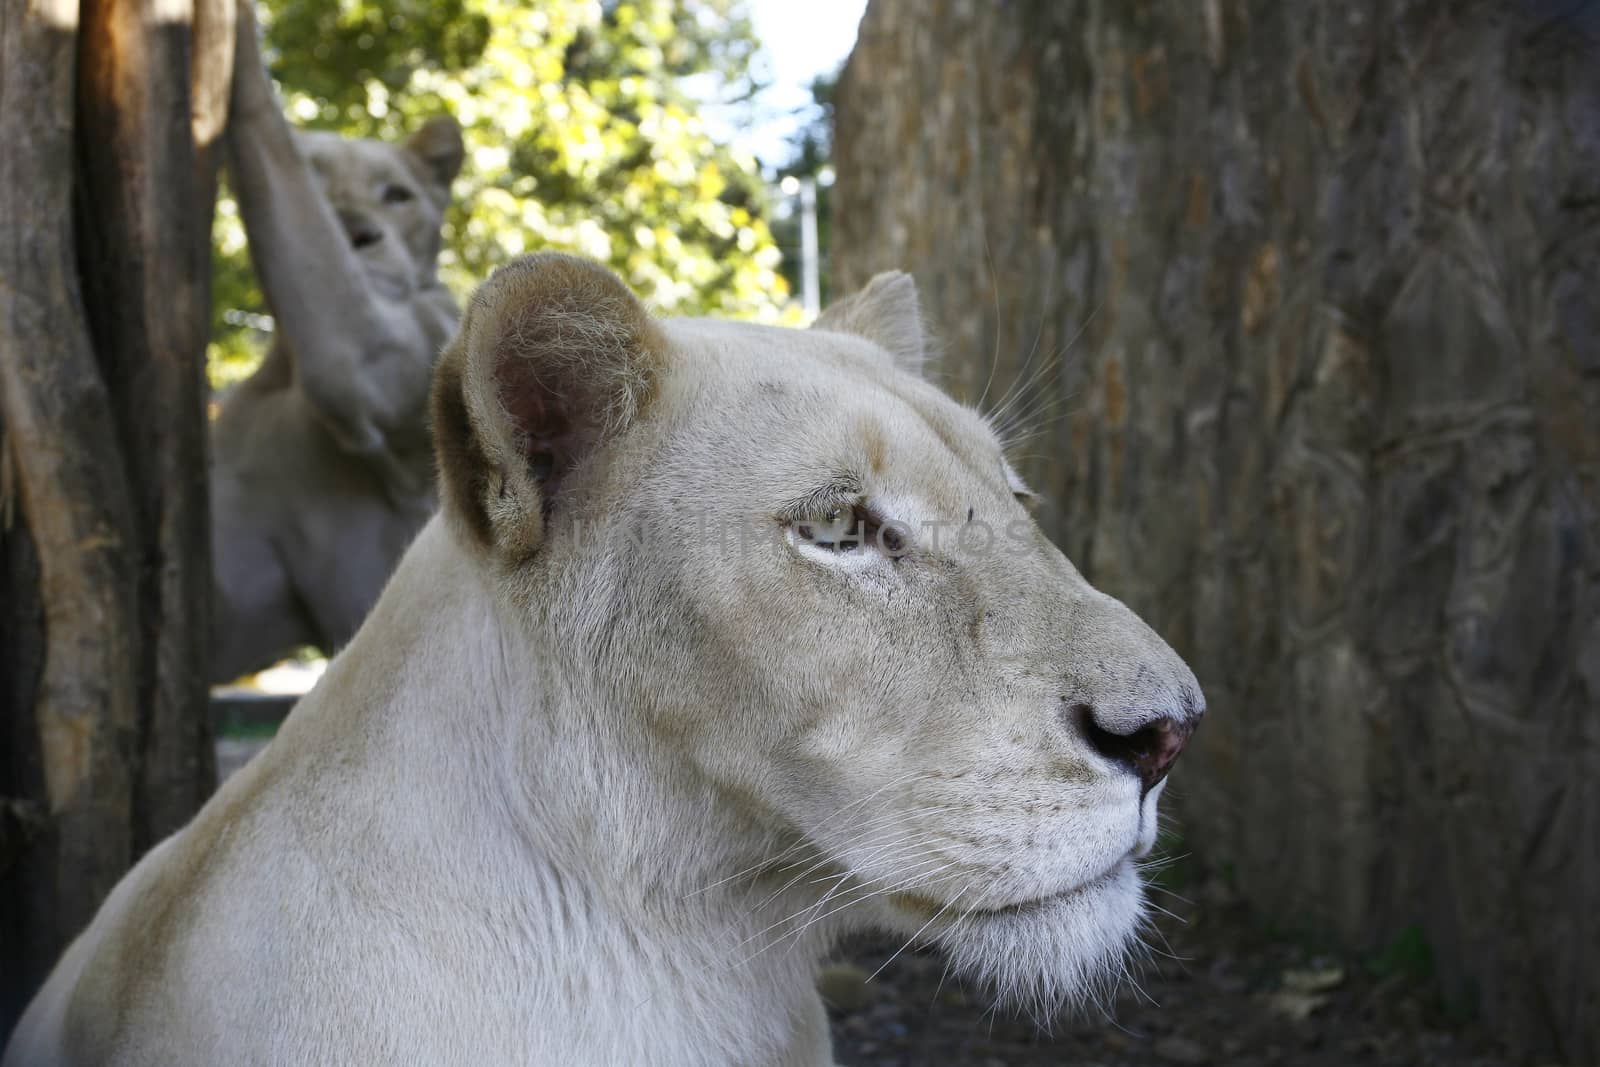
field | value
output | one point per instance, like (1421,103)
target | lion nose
(361,230)
(1149,749)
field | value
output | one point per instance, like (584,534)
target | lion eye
(851,530)
(397,194)
(834,531)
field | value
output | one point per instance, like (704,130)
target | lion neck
(517,782)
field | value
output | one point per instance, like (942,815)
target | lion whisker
(805,839)
(826,858)
(892,888)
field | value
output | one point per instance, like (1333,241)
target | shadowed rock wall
(1331,420)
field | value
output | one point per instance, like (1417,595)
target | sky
(801,39)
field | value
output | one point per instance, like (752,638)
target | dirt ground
(1233,997)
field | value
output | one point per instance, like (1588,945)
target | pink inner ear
(548,439)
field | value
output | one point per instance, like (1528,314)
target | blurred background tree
(582,135)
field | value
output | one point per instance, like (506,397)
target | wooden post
(105,190)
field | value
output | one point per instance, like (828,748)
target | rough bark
(75,506)
(1324,278)
(102,492)
(143,246)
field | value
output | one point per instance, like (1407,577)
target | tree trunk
(1324,280)
(103,309)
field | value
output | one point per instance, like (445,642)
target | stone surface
(1307,294)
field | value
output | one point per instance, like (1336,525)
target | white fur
(609,803)
(321,472)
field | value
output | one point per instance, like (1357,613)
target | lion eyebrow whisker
(841,491)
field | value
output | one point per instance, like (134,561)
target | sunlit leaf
(581,136)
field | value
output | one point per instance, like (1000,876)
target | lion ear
(438,147)
(554,358)
(887,313)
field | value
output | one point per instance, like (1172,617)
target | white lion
(728,639)
(321,472)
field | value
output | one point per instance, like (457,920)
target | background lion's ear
(554,357)
(439,148)
(887,313)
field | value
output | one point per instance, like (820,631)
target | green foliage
(1408,953)
(235,730)
(581,136)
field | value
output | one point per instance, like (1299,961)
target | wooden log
(59,434)
(144,244)
(106,177)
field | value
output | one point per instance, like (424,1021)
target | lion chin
(1065,951)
